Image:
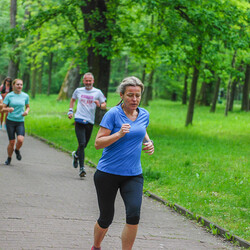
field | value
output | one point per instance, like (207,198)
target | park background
(193,57)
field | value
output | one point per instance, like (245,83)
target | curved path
(45,205)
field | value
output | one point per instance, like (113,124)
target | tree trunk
(184,94)
(202,97)
(13,11)
(26,79)
(71,82)
(216,93)
(232,94)
(126,66)
(39,80)
(143,74)
(191,104)
(13,65)
(229,84)
(14,60)
(98,60)
(33,82)
(246,88)
(148,92)
(50,72)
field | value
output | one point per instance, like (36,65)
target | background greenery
(204,168)
(180,49)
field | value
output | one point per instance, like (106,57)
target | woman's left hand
(25,113)
(148,147)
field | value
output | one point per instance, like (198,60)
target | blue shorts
(14,128)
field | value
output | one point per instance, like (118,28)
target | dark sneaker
(94,248)
(82,172)
(75,159)
(18,155)
(7,162)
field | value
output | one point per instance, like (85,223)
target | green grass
(203,167)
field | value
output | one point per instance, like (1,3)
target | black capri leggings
(131,188)
(14,128)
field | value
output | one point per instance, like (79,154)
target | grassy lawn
(204,167)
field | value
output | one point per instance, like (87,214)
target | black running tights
(131,188)
(83,133)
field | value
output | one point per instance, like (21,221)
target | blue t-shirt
(18,102)
(123,157)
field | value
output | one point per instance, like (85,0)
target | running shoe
(94,248)
(82,172)
(75,159)
(18,155)
(7,162)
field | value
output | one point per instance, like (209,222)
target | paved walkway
(45,205)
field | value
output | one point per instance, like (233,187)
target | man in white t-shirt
(89,98)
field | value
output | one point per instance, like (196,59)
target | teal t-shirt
(18,102)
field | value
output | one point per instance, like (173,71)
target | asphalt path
(44,204)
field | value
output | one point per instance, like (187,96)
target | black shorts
(14,128)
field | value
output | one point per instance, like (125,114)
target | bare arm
(101,106)
(27,110)
(148,145)
(104,139)
(7,109)
(71,106)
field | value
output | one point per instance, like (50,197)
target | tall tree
(14,60)
(246,90)
(230,84)
(215,96)
(98,28)
(190,112)
(70,83)
(185,88)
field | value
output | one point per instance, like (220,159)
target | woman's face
(8,81)
(18,86)
(131,97)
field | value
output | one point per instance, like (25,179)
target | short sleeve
(74,96)
(108,120)
(102,97)
(27,100)
(6,100)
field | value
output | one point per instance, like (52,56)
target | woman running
(122,134)
(5,88)
(16,103)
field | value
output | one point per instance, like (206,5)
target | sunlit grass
(203,167)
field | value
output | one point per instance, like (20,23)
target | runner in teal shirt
(16,103)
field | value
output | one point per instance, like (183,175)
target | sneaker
(82,172)
(18,155)
(75,159)
(94,248)
(7,162)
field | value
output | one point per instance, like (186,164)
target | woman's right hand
(10,110)
(124,129)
